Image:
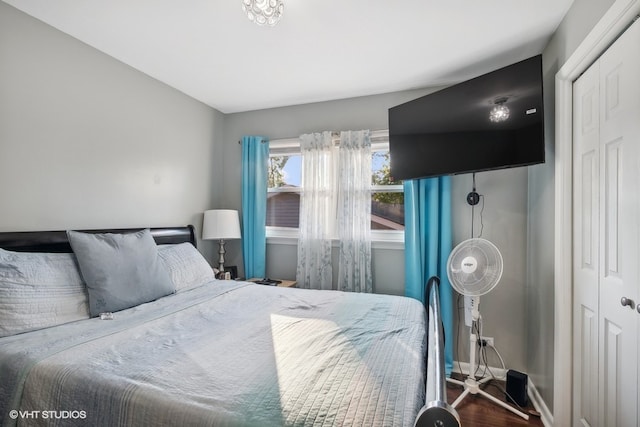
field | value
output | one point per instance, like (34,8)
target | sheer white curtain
(317,212)
(354,212)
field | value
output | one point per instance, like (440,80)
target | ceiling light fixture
(263,12)
(500,112)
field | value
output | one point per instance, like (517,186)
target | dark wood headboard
(56,241)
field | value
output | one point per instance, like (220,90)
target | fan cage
(484,261)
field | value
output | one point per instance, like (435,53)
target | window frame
(380,239)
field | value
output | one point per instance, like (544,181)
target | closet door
(619,229)
(607,236)
(586,231)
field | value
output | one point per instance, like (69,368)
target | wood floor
(478,411)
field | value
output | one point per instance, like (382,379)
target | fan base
(472,386)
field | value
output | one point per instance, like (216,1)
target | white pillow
(39,290)
(186,266)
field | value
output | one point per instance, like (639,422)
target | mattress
(226,354)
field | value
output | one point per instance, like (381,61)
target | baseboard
(536,400)
(545,414)
(463,368)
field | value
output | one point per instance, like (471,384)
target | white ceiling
(320,50)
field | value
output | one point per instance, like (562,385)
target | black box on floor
(517,387)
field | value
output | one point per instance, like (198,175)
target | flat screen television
(465,128)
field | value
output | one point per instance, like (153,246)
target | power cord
(482,354)
(473,198)
(481,213)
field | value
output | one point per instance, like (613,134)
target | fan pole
(471,385)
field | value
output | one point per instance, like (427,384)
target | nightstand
(283,284)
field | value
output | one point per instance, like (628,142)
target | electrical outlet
(488,341)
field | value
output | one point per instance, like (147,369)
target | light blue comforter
(225,353)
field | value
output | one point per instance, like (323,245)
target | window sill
(384,240)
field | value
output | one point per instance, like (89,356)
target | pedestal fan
(474,268)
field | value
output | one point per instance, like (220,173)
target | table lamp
(221,224)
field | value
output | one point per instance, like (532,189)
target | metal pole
(436,412)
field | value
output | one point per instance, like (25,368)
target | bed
(209,352)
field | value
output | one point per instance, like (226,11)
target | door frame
(619,16)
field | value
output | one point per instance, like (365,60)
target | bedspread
(225,353)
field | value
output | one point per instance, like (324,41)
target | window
(284,188)
(387,195)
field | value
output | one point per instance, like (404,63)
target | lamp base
(221,253)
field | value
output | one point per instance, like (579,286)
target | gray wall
(505,216)
(86,141)
(539,295)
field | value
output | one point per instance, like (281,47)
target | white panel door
(619,229)
(607,237)
(586,231)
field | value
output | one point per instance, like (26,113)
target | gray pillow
(120,270)
(186,266)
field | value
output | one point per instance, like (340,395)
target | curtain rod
(333,134)
(261,142)
(374,133)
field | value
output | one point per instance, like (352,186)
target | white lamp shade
(221,224)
